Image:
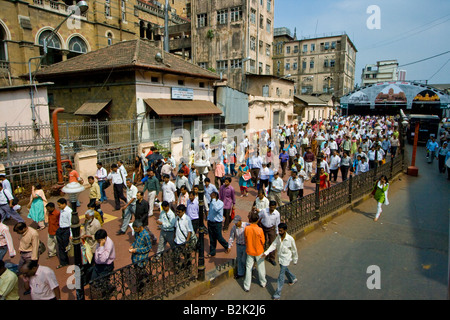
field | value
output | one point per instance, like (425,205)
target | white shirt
(168,191)
(183,226)
(292,151)
(131,194)
(124,171)
(268,219)
(7,185)
(101,174)
(116,177)
(363,167)
(286,250)
(65,217)
(5,196)
(261,204)
(277,185)
(335,162)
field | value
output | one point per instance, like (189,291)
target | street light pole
(201,165)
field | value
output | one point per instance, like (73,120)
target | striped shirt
(237,233)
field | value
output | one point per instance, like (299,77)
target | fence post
(350,188)
(392,167)
(8,154)
(98,132)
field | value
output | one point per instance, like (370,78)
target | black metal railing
(151,279)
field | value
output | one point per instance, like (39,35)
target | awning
(92,108)
(167,107)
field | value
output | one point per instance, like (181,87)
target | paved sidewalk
(409,244)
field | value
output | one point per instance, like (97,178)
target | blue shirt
(284,157)
(208,190)
(192,209)
(215,211)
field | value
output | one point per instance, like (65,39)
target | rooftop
(126,55)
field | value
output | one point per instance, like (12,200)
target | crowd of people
(271,162)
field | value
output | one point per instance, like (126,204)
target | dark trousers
(62,238)
(215,234)
(118,194)
(344,172)
(334,173)
(227,220)
(441,162)
(255,173)
(195,224)
(270,234)
(283,168)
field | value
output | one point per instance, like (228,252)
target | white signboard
(182,94)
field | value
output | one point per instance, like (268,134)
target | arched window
(142,29)
(110,38)
(77,46)
(3,49)
(54,53)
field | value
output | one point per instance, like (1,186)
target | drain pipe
(57,146)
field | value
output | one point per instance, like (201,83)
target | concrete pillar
(85,164)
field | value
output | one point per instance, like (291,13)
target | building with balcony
(318,65)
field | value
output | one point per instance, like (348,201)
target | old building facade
(318,65)
(233,37)
(25,24)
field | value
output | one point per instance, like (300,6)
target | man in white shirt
(41,281)
(270,219)
(287,252)
(118,181)
(168,190)
(294,185)
(332,145)
(166,222)
(276,187)
(335,163)
(6,206)
(183,226)
(101,176)
(363,166)
(63,233)
(130,208)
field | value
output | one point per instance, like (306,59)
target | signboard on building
(182,93)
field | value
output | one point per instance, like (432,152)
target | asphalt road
(407,248)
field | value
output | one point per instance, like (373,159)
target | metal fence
(151,279)
(302,212)
(28,153)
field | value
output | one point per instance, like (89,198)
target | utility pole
(166,26)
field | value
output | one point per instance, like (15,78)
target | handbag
(42,247)
(247,176)
(106,184)
(233,214)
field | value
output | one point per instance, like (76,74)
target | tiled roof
(139,53)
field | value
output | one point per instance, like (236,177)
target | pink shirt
(105,254)
(6,240)
(220,170)
(43,283)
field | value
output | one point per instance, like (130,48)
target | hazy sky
(410,30)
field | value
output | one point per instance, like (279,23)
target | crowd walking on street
(157,200)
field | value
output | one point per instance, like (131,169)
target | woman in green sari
(380,194)
(36,206)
